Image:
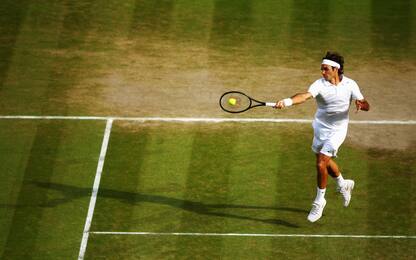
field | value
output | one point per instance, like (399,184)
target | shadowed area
(309,26)
(33,222)
(40,168)
(151,18)
(120,181)
(70,193)
(12,15)
(231,24)
(392,23)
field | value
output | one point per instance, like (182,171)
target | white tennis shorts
(326,140)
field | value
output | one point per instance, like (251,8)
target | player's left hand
(362,105)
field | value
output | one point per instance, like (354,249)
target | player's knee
(322,164)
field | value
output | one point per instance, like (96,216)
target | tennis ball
(232,101)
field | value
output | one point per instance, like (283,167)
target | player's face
(328,72)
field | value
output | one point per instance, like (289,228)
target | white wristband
(287,102)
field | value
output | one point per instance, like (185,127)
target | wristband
(287,102)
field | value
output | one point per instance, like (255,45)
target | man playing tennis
(333,93)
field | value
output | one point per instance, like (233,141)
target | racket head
(235,102)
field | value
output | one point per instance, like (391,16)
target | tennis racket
(238,102)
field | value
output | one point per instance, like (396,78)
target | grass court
(200,190)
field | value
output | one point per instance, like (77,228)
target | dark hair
(335,56)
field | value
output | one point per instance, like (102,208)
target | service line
(203,119)
(253,235)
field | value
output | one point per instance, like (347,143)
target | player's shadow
(70,193)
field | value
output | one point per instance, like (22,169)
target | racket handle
(269,104)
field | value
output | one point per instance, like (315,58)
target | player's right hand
(280,104)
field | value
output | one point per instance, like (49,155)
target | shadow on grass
(71,192)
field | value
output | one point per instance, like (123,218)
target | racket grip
(270,104)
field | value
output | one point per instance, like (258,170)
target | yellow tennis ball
(232,101)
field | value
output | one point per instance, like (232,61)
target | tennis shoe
(316,211)
(346,191)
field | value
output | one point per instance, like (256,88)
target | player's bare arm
(298,98)
(362,105)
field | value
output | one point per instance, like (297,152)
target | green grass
(208,178)
(37,219)
(247,248)
(49,50)
(238,178)
(74,57)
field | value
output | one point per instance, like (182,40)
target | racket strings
(235,102)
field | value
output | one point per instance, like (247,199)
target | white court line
(252,235)
(97,179)
(205,119)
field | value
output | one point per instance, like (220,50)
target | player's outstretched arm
(362,105)
(298,98)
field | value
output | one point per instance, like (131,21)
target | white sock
(339,180)
(320,194)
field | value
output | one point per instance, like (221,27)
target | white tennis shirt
(334,101)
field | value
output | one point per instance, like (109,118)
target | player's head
(335,60)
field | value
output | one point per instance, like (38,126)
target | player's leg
(335,173)
(322,165)
(333,169)
(344,187)
(319,203)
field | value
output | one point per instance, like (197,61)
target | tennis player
(334,93)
